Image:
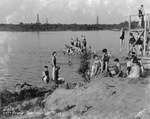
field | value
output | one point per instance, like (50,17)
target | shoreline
(99,91)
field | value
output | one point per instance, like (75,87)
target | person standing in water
(54,65)
(84,43)
(141,13)
(45,77)
(122,35)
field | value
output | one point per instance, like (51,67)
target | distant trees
(62,27)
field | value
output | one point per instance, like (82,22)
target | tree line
(64,27)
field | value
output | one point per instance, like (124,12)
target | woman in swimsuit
(122,35)
(53,65)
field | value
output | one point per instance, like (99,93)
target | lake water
(24,54)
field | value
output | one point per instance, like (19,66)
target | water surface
(24,54)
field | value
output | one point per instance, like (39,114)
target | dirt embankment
(106,98)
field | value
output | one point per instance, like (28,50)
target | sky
(69,11)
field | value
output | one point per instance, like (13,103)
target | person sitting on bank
(116,69)
(139,62)
(135,70)
(96,67)
(45,77)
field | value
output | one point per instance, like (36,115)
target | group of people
(76,46)
(55,72)
(141,14)
(139,42)
(136,44)
(133,69)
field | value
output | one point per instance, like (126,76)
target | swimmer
(53,65)
(96,67)
(58,79)
(122,35)
(45,77)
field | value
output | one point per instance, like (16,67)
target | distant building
(97,20)
(38,19)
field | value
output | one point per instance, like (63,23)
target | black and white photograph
(74,59)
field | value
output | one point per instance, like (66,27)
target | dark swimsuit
(139,42)
(106,59)
(122,35)
(72,43)
(54,60)
(140,13)
(132,40)
(46,74)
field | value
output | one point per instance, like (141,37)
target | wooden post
(129,23)
(145,36)
(0,99)
(148,21)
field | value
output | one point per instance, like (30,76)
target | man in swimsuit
(141,13)
(122,35)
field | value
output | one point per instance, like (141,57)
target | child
(93,69)
(105,59)
(116,68)
(58,80)
(57,72)
(128,64)
(96,67)
(45,77)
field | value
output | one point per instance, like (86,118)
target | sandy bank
(106,98)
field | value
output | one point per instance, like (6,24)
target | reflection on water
(24,54)
(5,51)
